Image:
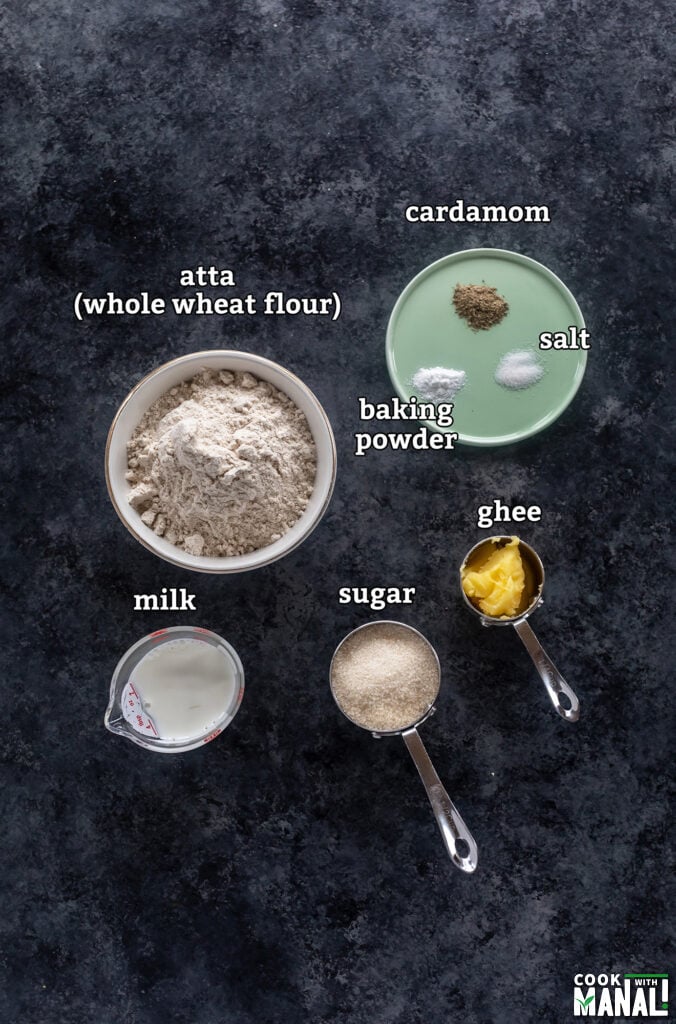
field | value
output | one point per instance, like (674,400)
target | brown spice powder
(479,305)
(385,677)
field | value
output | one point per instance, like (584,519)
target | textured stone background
(291,872)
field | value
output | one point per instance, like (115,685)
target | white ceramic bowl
(147,391)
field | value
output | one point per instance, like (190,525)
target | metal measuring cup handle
(554,682)
(451,825)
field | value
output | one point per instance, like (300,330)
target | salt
(518,369)
(438,384)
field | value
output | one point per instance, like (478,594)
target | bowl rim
(260,361)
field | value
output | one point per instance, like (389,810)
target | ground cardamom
(479,305)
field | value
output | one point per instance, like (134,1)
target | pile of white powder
(221,465)
(519,369)
(438,383)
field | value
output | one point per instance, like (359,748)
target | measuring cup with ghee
(501,580)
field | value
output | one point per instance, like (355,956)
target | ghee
(496,586)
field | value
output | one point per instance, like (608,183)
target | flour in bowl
(221,465)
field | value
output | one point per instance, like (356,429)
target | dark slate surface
(291,871)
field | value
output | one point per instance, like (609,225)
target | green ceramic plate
(425,330)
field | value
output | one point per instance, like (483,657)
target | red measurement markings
(240,695)
(212,736)
(140,719)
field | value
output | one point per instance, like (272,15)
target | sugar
(385,677)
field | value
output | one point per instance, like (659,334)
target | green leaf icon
(584,1002)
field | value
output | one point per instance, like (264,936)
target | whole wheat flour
(221,465)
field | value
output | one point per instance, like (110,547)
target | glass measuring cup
(560,693)
(459,842)
(126,714)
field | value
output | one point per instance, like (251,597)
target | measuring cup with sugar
(385,678)
(175,690)
(560,693)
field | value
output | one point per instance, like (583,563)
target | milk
(186,687)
